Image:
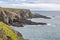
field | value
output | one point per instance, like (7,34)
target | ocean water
(51,31)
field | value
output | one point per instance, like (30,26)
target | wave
(48,24)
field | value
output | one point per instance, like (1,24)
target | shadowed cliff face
(18,17)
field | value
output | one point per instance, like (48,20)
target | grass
(8,31)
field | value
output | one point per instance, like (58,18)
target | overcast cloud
(49,5)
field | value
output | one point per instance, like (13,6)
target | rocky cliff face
(18,17)
(25,13)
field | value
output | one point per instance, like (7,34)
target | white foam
(48,24)
(52,17)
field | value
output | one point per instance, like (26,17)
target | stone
(29,22)
(18,17)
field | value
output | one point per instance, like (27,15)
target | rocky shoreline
(18,17)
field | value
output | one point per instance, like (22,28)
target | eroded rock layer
(18,17)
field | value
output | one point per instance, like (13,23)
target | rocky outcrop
(26,13)
(39,16)
(18,17)
(29,22)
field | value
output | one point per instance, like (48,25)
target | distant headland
(18,17)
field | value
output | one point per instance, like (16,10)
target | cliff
(18,17)
(26,13)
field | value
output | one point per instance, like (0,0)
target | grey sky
(32,4)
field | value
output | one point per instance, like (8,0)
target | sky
(40,5)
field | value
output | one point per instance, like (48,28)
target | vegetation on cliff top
(6,31)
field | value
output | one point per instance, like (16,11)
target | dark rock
(39,16)
(17,24)
(26,13)
(18,17)
(29,22)
(8,38)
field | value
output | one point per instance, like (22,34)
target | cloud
(2,2)
(32,1)
(41,6)
(44,1)
(49,5)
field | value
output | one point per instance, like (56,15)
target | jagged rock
(29,22)
(18,17)
(26,13)
(39,16)
(17,24)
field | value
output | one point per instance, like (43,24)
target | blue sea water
(51,31)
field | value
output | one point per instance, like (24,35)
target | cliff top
(13,9)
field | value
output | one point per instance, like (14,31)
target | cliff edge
(18,17)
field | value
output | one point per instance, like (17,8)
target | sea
(51,31)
